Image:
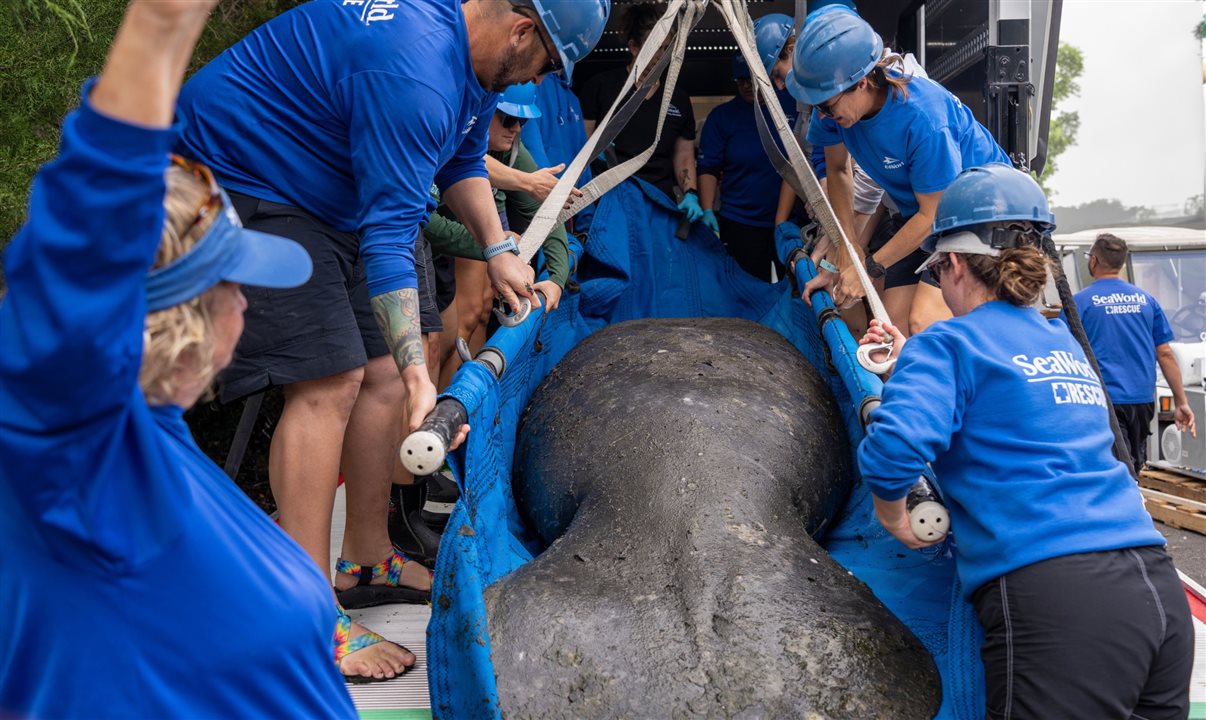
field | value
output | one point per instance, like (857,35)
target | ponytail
(1017,276)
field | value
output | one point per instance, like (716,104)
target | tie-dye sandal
(346,645)
(364,594)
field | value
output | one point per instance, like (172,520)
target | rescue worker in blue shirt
(730,148)
(1130,335)
(909,134)
(1084,614)
(136,580)
(329,124)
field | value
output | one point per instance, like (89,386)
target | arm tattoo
(397,315)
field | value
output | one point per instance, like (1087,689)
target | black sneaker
(442,494)
(407,531)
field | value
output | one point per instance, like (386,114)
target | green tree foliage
(47,49)
(1069,65)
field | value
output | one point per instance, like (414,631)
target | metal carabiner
(513,319)
(863,355)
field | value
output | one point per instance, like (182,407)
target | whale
(677,474)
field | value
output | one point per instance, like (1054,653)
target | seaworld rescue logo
(372,11)
(891,163)
(1117,303)
(1072,380)
(469,125)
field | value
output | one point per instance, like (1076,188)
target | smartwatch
(506,245)
(874,269)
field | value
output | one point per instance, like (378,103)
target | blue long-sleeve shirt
(349,110)
(730,145)
(914,145)
(136,579)
(1008,410)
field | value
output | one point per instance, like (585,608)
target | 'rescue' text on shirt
(1072,380)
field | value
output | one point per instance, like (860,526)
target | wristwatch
(874,269)
(507,244)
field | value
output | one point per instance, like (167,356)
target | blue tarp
(632,266)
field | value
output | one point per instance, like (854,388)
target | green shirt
(449,237)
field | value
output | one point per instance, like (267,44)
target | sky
(1142,135)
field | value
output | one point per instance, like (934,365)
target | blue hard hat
(836,49)
(771,33)
(740,68)
(995,193)
(228,252)
(574,25)
(814,5)
(519,101)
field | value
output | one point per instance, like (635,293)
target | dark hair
(1110,251)
(788,47)
(897,83)
(639,19)
(1017,276)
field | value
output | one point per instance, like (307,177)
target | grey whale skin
(676,470)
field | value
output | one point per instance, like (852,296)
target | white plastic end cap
(930,521)
(422,452)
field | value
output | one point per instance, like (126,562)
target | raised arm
(71,324)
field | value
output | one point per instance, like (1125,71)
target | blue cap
(519,101)
(836,49)
(228,252)
(741,70)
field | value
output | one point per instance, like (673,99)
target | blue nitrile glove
(709,219)
(787,239)
(690,206)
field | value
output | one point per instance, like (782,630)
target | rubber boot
(407,531)
(442,494)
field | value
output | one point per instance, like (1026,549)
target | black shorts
(904,272)
(319,329)
(1135,421)
(429,307)
(1092,635)
(445,281)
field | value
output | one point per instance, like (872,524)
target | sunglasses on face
(212,204)
(939,267)
(553,65)
(826,108)
(510,121)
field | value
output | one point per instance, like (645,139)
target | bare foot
(382,661)
(414,575)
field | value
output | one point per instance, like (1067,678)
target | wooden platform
(1173,484)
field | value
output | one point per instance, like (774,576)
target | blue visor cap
(228,252)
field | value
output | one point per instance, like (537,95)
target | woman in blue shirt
(1083,612)
(909,134)
(136,579)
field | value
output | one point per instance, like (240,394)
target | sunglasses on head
(826,108)
(553,65)
(510,121)
(212,204)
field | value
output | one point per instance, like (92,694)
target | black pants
(752,247)
(1136,424)
(1104,635)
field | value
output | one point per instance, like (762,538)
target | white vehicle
(1169,263)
